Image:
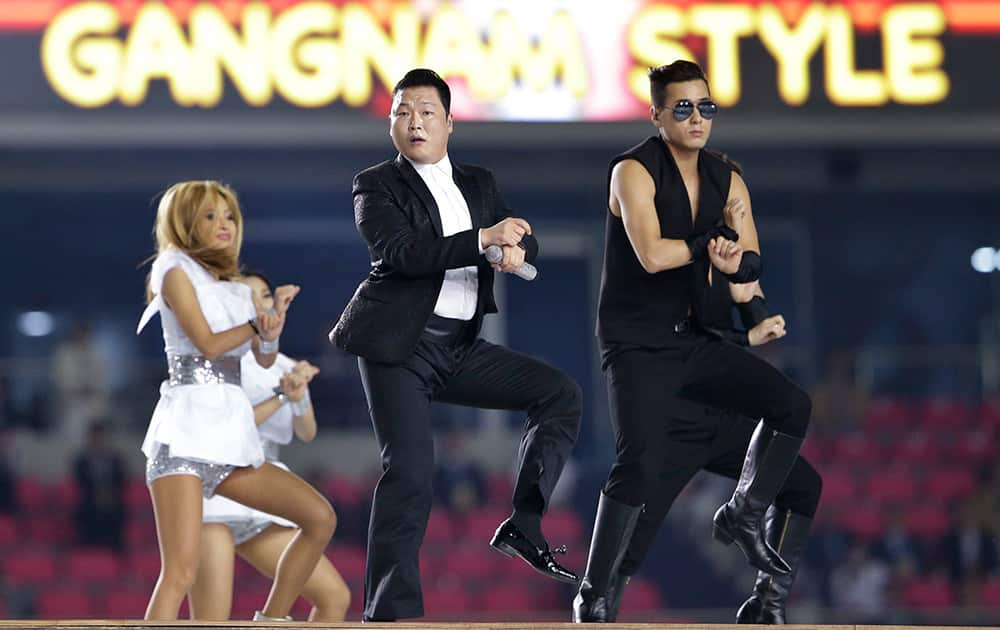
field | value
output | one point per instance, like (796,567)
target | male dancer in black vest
(414,324)
(696,437)
(664,236)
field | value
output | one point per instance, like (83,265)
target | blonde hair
(177,221)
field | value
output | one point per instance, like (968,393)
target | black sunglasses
(684,108)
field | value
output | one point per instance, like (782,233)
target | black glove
(698,243)
(753,312)
(749,269)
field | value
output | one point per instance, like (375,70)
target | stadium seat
(349,560)
(927,521)
(948,484)
(929,592)
(886,414)
(944,413)
(95,565)
(863,520)
(124,603)
(30,566)
(892,486)
(440,529)
(64,604)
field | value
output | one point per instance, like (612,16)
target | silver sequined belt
(193,369)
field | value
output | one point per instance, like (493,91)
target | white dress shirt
(460,290)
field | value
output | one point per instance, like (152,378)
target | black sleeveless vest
(637,308)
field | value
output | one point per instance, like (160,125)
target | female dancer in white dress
(258,537)
(202,438)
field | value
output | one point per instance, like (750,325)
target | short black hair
(677,72)
(260,276)
(421,77)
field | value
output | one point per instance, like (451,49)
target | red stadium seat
(893,486)
(31,495)
(989,594)
(838,486)
(64,604)
(641,595)
(343,491)
(928,521)
(349,560)
(886,414)
(446,603)
(8,531)
(144,564)
(989,414)
(975,446)
(944,413)
(30,566)
(917,447)
(815,449)
(125,603)
(500,488)
(46,530)
(440,529)
(470,562)
(562,526)
(948,484)
(64,495)
(136,496)
(857,449)
(482,522)
(863,520)
(140,533)
(93,565)
(508,598)
(930,592)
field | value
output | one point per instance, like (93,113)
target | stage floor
(100,624)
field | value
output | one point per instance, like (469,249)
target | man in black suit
(414,325)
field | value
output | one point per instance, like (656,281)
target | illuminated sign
(559,60)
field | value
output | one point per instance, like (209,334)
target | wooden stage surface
(99,624)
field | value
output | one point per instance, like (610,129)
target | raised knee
(569,397)
(321,521)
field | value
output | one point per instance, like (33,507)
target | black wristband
(749,269)
(253,325)
(753,312)
(698,243)
(739,337)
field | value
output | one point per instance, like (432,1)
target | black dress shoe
(510,541)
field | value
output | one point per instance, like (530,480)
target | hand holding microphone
(500,242)
(495,255)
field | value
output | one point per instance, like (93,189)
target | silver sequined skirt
(247,529)
(162,465)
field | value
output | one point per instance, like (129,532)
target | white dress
(278,430)
(210,423)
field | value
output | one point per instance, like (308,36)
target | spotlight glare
(985,259)
(35,323)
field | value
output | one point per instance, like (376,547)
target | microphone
(494,255)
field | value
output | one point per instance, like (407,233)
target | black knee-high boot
(787,532)
(613,529)
(770,456)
